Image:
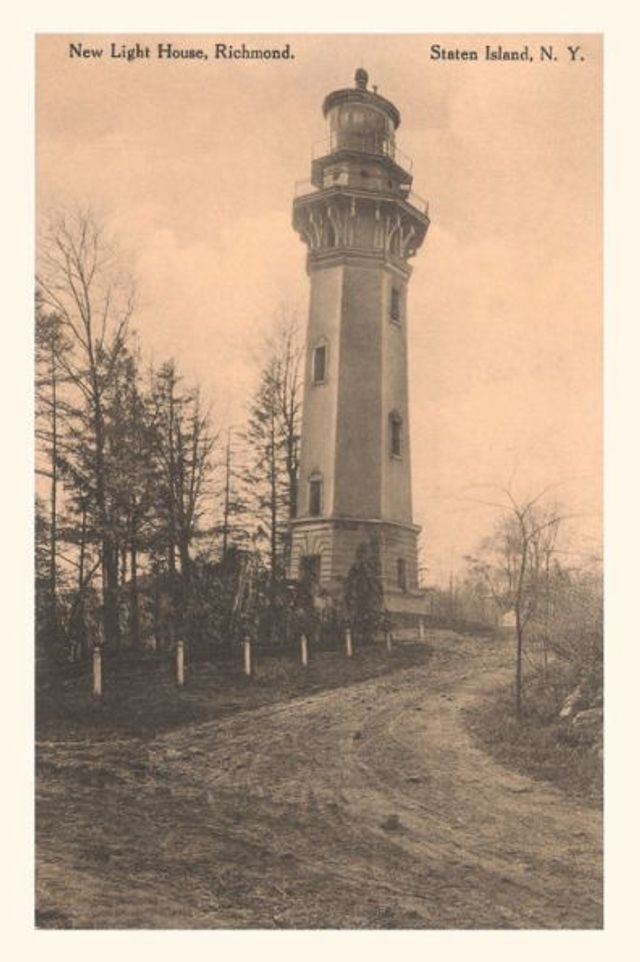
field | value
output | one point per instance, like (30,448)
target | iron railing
(304,187)
(363,143)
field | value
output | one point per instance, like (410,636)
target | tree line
(151,521)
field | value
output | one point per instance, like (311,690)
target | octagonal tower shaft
(361,225)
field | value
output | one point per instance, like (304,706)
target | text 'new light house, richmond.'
(361,224)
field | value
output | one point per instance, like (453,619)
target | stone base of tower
(326,548)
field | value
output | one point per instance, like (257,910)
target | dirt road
(362,807)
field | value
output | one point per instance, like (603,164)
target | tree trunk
(110,593)
(273,506)
(519,625)
(52,634)
(110,618)
(135,601)
(82,639)
(185,559)
(545,641)
(227,492)
(158,628)
(518,665)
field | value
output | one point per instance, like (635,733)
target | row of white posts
(247,662)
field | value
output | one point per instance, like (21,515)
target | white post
(421,629)
(389,639)
(154,643)
(304,651)
(348,643)
(247,656)
(97,671)
(180,663)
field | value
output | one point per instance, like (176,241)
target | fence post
(247,656)
(421,629)
(389,640)
(97,671)
(348,642)
(180,663)
(304,651)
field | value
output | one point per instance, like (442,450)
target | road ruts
(369,806)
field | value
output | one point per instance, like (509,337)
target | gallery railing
(305,187)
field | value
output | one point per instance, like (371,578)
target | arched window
(395,434)
(319,359)
(315,494)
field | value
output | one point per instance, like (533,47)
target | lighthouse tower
(361,224)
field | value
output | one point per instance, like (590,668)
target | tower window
(319,364)
(395,307)
(395,434)
(402,574)
(315,496)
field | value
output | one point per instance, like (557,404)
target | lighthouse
(361,224)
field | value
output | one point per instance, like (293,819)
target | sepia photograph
(318,493)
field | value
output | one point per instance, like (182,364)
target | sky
(195,162)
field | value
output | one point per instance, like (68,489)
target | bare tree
(273,441)
(184,445)
(79,280)
(514,561)
(233,527)
(287,352)
(132,439)
(50,347)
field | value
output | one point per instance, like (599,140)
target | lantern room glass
(361,127)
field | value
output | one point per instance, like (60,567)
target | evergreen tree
(363,593)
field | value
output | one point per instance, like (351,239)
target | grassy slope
(140,697)
(541,744)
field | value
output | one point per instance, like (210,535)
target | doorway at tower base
(324,549)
